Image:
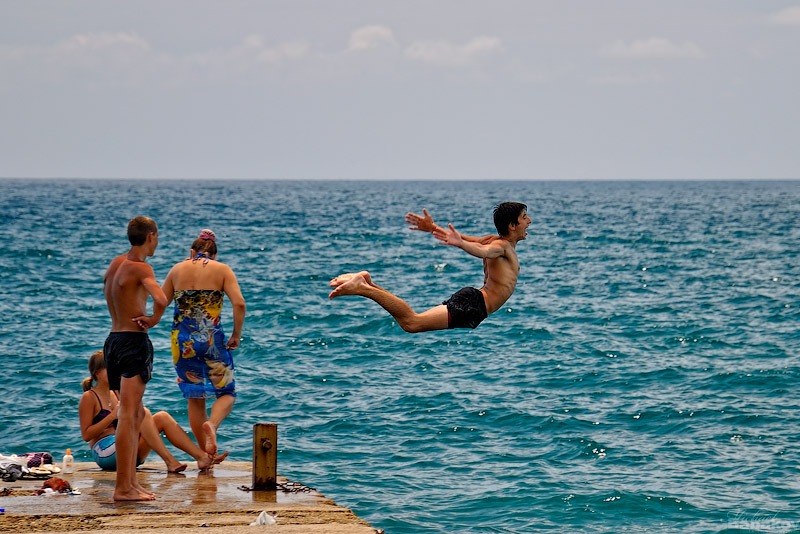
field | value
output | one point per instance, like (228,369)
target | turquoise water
(643,377)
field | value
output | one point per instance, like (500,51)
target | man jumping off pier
(469,306)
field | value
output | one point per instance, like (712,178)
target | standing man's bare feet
(140,489)
(134,495)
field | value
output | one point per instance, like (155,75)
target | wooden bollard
(265,456)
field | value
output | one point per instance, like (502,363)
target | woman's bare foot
(219,459)
(211,438)
(350,284)
(177,467)
(209,462)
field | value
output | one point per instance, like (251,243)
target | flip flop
(39,471)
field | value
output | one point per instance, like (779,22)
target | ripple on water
(640,379)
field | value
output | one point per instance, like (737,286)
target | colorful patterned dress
(202,361)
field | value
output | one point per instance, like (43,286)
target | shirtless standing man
(128,351)
(469,306)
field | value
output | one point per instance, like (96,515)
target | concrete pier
(195,502)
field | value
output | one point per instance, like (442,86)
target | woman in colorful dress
(200,352)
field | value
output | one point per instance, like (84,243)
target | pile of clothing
(31,464)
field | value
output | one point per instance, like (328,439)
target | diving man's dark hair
(507,213)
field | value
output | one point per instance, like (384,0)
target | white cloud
(653,48)
(110,54)
(127,58)
(786,17)
(103,41)
(86,50)
(371,37)
(448,54)
(251,59)
(107,57)
(254,50)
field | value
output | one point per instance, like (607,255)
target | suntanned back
(125,295)
(194,274)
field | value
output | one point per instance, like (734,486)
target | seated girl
(98,417)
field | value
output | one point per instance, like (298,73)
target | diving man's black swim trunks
(128,354)
(466,308)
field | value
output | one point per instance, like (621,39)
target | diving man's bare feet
(350,284)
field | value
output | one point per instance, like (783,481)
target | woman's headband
(208,235)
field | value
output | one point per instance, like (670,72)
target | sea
(642,378)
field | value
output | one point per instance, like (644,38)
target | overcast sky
(404,89)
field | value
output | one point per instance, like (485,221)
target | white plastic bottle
(67,465)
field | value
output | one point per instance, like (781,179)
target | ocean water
(642,378)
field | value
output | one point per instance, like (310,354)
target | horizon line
(234,179)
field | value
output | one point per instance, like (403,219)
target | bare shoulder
(509,253)
(488,239)
(114,264)
(178,267)
(87,397)
(213,266)
(503,243)
(141,269)
(228,276)
(116,261)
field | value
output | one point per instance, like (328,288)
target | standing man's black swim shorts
(128,354)
(466,308)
